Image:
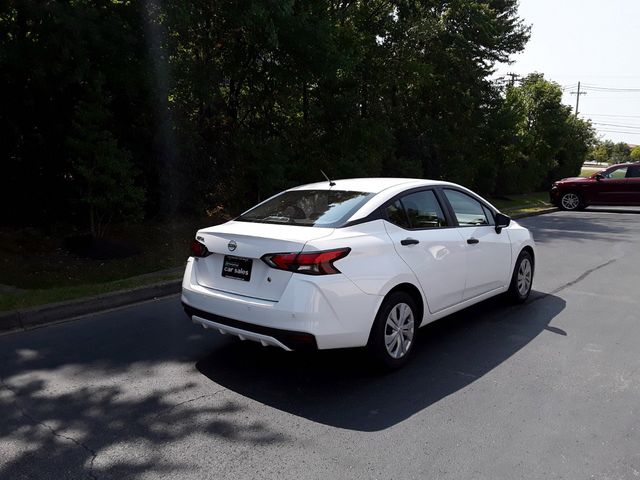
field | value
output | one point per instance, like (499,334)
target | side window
(423,210)
(468,210)
(397,215)
(617,173)
(489,214)
(633,172)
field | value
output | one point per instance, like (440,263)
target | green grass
(588,171)
(523,203)
(36,269)
(30,298)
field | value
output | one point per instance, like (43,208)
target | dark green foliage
(101,171)
(549,142)
(197,104)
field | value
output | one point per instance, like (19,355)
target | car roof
(626,164)
(371,185)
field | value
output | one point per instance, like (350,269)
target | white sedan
(355,263)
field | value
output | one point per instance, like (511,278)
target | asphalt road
(548,390)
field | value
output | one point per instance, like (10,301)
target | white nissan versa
(354,263)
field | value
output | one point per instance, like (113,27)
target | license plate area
(238,268)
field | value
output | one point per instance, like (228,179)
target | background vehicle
(616,185)
(353,263)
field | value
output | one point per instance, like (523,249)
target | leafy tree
(635,154)
(549,142)
(620,153)
(102,171)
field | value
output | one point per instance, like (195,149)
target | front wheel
(522,278)
(394,330)
(570,201)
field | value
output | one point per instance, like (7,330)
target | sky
(595,42)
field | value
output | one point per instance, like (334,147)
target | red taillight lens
(199,249)
(312,263)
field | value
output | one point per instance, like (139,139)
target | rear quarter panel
(373,264)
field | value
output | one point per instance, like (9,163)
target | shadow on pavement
(65,417)
(339,388)
(579,226)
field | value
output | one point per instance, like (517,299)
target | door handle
(472,241)
(409,241)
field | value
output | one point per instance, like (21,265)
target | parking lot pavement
(546,390)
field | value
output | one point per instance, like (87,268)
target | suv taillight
(312,263)
(199,249)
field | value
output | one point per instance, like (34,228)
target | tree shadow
(339,388)
(578,226)
(91,426)
(68,432)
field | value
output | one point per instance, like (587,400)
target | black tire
(571,201)
(377,342)
(518,293)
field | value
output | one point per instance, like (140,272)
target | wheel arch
(530,251)
(415,294)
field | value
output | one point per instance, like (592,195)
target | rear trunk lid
(237,248)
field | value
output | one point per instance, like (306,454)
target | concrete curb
(54,312)
(535,214)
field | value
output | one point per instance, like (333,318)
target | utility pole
(577,94)
(514,78)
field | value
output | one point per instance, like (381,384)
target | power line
(599,88)
(609,115)
(618,131)
(617,125)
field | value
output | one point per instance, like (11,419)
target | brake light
(199,249)
(312,263)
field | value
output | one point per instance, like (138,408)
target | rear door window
(417,210)
(633,171)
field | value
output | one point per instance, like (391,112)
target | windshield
(309,208)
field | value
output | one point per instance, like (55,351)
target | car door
(633,184)
(488,252)
(425,239)
(613,188)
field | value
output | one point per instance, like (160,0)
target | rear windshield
(308,208)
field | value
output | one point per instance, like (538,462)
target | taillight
(199,249)
(312,263)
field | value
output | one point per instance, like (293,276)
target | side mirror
(502,221)
(598,176)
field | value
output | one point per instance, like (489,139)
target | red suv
(616,185)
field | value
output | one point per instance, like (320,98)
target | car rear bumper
(285,339)
(554,196)
(314,312)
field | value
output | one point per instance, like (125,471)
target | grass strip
(21,299)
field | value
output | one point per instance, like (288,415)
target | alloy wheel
(570,201)
(525,275)
(399,330)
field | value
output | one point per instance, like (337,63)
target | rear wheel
(570,201)
(393,332)
(522,278)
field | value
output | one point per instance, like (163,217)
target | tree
(620,153)
(102,173)
(635,154)
(549,142)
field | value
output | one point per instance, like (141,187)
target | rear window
(308,208)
